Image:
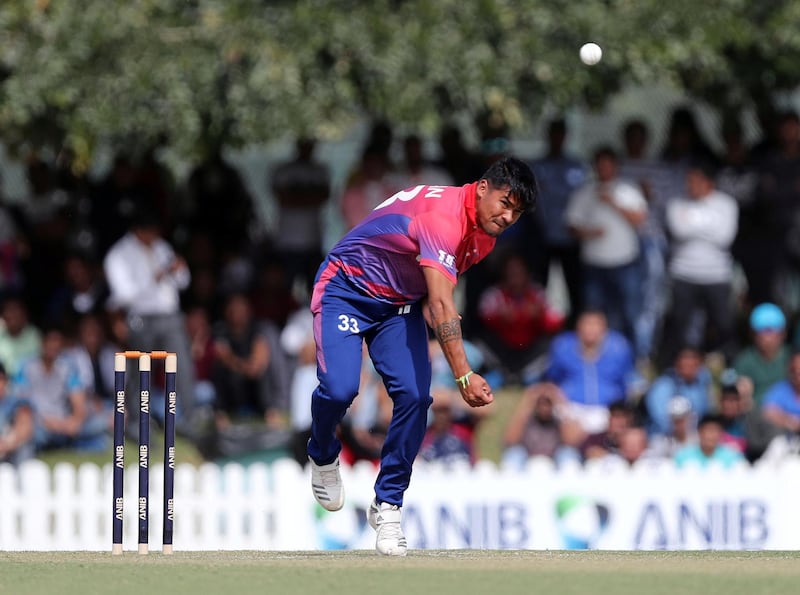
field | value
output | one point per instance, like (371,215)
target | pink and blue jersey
(424,226)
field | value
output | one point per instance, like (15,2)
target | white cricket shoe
(385,519)
(326,483)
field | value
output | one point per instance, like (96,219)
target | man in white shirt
(605,214)
(702,227)
(145,277)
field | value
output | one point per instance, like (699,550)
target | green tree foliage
(200,73)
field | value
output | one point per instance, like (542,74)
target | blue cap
(767,317)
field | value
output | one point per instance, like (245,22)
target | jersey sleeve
(438,238)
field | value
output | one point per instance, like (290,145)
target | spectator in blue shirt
(688,378)
(62,415)
(16,425)
(781,405)
(591,368)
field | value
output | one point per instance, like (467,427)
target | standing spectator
(13,246)
(738,177)
(222,205)
(653,179)
(242,357)
(516,319)
(446,441)
(301,188)
(145,277)
(560,175)
(19,338)
(684,142)
(710,449)
(53,386)
(371,184)
(702,227)
(688,378)
(47,214)
(417,170)
(461,164)
(534,430)
(605,215)
(16,425)
(778,196)
(589,369)
(115,201)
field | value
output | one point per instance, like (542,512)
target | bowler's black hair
(517,176)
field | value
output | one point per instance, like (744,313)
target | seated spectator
(759,366)
(632,447)
(93,355)
(271,294)
(201,339)
(731,412)
(781,406)
(19,339)
(515,317)
(535,430)
(688,378)
(52,384)
(83,290)
(240,371)
(764,361)
(709,450)
(446,441)
(590,369)
(16,425)
(683,429)
(601,444)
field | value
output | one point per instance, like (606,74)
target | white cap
(679,406)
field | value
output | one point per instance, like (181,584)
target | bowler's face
(496,209)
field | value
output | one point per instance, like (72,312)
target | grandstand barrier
(270,507)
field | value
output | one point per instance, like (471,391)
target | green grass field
(422,572)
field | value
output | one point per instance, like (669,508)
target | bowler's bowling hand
(476,392)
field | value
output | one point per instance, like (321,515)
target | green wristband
(463,381)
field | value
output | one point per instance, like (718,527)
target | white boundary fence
(270,507)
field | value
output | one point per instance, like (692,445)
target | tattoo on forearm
(449,331)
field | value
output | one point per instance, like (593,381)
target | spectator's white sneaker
(385,519)
(326,483)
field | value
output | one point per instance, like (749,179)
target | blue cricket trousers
(397,339)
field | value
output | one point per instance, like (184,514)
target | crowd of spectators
(676,339)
